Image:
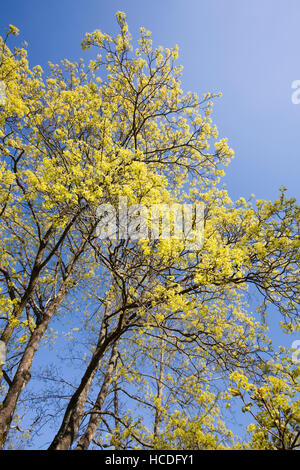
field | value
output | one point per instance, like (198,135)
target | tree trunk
(22,375)
(89,434)
(75,409)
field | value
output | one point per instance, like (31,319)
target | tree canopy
(162,337)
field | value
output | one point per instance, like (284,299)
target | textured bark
(75,410)
(89,434)
(36,269)
(22,375)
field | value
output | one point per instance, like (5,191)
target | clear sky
(248,49)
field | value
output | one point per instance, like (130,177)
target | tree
(274,404)
(85,136)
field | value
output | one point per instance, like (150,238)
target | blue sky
(248,49)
